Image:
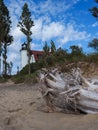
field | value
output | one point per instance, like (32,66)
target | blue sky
(65,22)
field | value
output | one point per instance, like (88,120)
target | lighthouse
(24,56)
(35,55)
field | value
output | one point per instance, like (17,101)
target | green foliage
(5,37)
(18,79)
(76,53)
(25,25)
(60,55)
(29,79)
(4,21)
(96,1)
(76,50)
(49,60)
(26,22)
(53,47)
(94,44)
(41,63)
(34,67)
(46,48)
(3,80)
(94,11)
(92,58)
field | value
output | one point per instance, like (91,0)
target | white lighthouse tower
(24,56)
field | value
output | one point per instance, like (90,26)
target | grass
(30,79)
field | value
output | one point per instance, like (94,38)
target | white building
(35,55)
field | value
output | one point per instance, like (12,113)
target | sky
(66,22)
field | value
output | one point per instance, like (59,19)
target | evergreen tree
(94,11)
(5,37)
(76,50)
(25,25)
(94,42)
(53,47)
(7,41)
(46,48)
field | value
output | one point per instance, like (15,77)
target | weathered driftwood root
(73,90)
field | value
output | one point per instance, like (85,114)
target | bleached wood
(83,96)
(88,103)
(85,81)
(54,84)
(48,90)
(88,94)
(69,90)
(87,110)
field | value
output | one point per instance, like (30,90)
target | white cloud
(53,30)
(43,31)
(35,46)
(14,48)
(13,56)
(17,34)
(56,6)
(72,34)
(37,29)
(80,45)
(46,7)
(60,31)
(95,24)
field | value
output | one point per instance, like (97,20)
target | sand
(23,108)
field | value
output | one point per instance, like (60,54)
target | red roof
(36,54)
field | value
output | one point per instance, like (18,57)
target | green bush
(50,60)
(30,79)
(2,79)
(18,79)
(34,67)
(92,57)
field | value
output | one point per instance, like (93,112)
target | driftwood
(69,91)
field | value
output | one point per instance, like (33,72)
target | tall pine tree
(46,48)
(25,25)
(5,37)
(94,11)
(53,47)
(94,42)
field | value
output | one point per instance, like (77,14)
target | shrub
(34,68)
(50,60)
(30,79)
(18,79)
(92,57)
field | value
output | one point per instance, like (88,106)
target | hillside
(89,70)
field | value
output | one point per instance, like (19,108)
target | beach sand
(23,108)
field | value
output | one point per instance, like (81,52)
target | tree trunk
(0,64)
(5,58)
(0,57)
(29,64)
(29,55)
